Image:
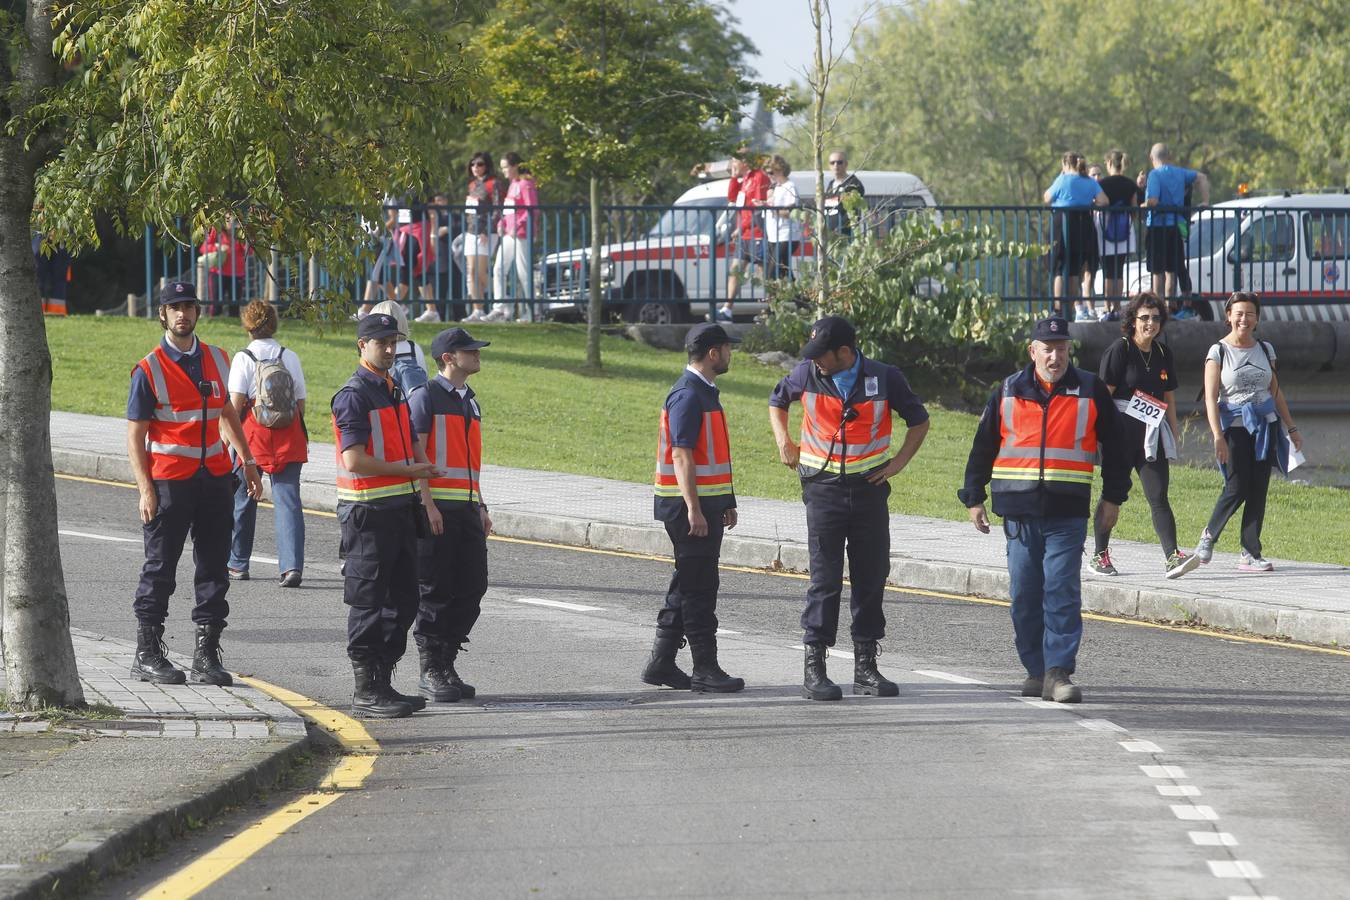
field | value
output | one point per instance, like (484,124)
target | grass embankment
(543,410)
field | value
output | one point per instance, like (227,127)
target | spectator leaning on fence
(1073,233)
(1115,231)
(1164,193)
(783,231)
(516,227)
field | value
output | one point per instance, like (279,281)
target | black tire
(656,306)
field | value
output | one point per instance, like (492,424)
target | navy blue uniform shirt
(141,398)
(352,414)
(420,405)
(685,403)
(904,402)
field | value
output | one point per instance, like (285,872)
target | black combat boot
(866,678)
(370,697)
(150,663)
(384,673)
(816,685)
(661,668)
(707,676)
(433,684)
(206,667)
(467,691)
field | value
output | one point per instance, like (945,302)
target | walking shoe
(724,314)
(1059,688)
(1180,563)
(238,574)
(1101,563)
(429,315)
(291,579)
(1032,686)
(494,315)
(1204,551)
(867,679)
(816,684)
(475,316)
(1084,315)
(1249,563)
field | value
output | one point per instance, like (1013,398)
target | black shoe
(150,662)
(238,574)
(707,676)
(1032,686)
(371,699)
(661,668)
(816,685)
(1059,688)
(866,678)
(433,684)
(384,673)
(291,579)
(452,649)
(206,667)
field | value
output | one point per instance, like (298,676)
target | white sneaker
(1249,563)
(494,315)
(430,315)
(474,316)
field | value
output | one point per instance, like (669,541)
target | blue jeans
(290,522)
(1045,557)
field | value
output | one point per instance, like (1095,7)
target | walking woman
(484,196)
(1251,425)
(515,228)
(1142,377)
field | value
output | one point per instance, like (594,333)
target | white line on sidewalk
(98,537)
(1212,839)
(1041,704)
(948,676)
(1188,813)
(1233,868)
(1141,746)
(556,604)
(1101,725)
(726,631)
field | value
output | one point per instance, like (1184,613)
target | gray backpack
(274,392)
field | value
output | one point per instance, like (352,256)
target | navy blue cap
(1053,328)
(377,325)
(178,292)
(452,339)
(829,333)
(707,335)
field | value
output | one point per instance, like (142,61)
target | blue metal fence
(673,263)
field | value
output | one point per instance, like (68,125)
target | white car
(676,269)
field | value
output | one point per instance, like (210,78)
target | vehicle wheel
(648,311)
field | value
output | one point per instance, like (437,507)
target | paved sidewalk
(1302,601)
(83,796)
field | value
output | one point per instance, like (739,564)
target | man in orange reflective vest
(695,499)
(379,461)
(845,463)
(177,412)
(1036,446)
(452,559)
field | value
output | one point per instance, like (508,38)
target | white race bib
(740,199)
(405,216)
(508,204)
(470,201)
(1147,409)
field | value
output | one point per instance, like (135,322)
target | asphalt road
(569,778)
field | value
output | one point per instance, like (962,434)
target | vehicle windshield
(697,217)
(1210,232)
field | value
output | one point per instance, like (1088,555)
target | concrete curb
(70,869)
(1146,603)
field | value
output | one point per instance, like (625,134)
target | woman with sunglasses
(1142,377)
(484,196)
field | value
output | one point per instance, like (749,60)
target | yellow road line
(1096,617)
(348,774)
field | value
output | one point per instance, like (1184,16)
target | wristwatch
(250,462)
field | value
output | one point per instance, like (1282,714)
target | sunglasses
(478,162)
(838,162)
(1149,318)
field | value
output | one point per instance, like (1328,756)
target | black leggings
(1247,484)
(1153,476)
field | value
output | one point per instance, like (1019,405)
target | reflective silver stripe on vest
(878,413)
(183,450)
(441,437)
(376,435)
(1050,453)
(157,382)
(222,363)
(866,449)
(1080,427)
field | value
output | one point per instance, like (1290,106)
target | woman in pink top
(516,227)
(222,267)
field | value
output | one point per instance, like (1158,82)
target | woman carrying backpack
(1251,425)
(1115,231)
(267,388)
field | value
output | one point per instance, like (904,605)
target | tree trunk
(35,628)
(595,309)
(819,84)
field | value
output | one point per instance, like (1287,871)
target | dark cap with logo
(377,325)
(178,292)
(830,333)
(452,339)
(1054,328)
(706,336)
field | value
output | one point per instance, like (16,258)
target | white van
(1292,249)
(679,266)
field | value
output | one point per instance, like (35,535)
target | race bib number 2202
(1147,409)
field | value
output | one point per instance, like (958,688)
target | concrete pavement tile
(988,582)
(752,552)
(524,525)
(948,577)
(1112,599)
(633,538)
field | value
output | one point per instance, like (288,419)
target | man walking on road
(845,466)
(1037,439)
(696,501)
(378,460)
(452,559)
(177,410)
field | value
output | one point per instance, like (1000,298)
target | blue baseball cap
(178,292)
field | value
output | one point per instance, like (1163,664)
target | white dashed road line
(1141,747)
(1212,839)
(948,676)
(1233,868)
(1187,812)
(98,537)
(1101,725)
(556,604)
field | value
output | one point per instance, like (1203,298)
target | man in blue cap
(452,559)
(1036,447)
(695,499)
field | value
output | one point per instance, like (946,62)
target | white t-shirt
(777,228)
(1245,372)
(243,369)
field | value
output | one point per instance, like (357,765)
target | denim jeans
(1045,557)
(290,522)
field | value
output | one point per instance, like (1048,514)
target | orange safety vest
(712,456)
(1051,445)
(390,440)
(184,432)
(831,445)
(455,444)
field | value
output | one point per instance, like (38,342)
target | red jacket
(743,192)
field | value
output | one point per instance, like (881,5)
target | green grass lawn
(543,410)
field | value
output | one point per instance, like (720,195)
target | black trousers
(204,508)
(452,576)
(691,600)
(379,551)
(1154,476)
(847,518)
(1246,486)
